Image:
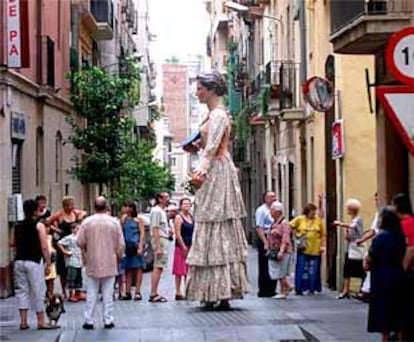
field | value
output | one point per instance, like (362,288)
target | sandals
(24,327)
(138,296)
(344,295)
(157,299)
(48,327)
(126,296)
(179,297)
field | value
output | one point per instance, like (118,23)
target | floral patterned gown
(218,256)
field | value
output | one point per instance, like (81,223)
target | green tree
(98,97)
(104,134)
(142,177)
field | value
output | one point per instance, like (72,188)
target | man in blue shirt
(267,286)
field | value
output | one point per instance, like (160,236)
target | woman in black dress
(388,278)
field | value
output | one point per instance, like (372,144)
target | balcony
(285,91)
(103,11)
(87,18)
(364,26)
(221,22)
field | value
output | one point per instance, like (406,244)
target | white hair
(278,206)
(353,203)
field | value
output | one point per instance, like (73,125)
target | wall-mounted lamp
(245,10)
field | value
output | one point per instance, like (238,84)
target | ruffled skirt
(217,262)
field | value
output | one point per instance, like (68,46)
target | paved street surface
(307,318)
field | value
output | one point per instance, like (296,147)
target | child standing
(73,261)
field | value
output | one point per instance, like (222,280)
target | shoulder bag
(356,252)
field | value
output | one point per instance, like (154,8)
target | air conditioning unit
(15,208)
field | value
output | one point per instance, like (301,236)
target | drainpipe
(268,156)
(302,77)
(39,69)
(303,47)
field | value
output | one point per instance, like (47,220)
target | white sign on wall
(14,53)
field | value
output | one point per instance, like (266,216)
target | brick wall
(175,96)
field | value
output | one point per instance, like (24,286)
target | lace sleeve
(217,126)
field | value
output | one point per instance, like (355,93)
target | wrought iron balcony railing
(344,12)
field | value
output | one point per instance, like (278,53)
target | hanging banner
(338,145)
(17,34)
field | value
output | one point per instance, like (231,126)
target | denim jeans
(308,273)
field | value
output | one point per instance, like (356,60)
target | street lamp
(245,10)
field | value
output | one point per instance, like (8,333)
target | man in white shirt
(102,241)
(267,286)
(160,232)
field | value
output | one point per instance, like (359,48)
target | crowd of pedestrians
(210,254)
(385,270)
(108,247)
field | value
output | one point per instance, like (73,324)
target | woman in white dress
(218,256)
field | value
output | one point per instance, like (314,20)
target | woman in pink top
(280,249)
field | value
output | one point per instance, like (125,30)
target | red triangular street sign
(398,102)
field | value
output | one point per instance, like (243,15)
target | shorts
(161,261)
(279,269)
(74,280)
(30,284)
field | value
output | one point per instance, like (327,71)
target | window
(95,52)
(16,167)
(58,157)
(50,81)
(173,161)
(39,156)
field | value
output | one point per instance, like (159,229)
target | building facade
(365,28)
(273,48)
(55,37)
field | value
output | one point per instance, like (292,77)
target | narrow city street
(307,318)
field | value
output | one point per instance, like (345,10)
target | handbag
(300,242)
(356,252)
(272,254)
(131,250)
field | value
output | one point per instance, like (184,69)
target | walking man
(160,232)
(267,286)
(102,241)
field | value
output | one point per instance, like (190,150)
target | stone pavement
(300,319)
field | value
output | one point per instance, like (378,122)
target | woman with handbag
(310,233)
(355,253)
(280,249)
(134,235)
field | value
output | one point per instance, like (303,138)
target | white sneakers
(280,296)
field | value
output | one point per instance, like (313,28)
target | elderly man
(267,286)
(102,242)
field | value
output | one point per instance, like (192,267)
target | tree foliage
(109,155)
(142,177)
